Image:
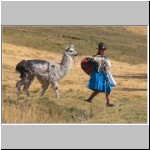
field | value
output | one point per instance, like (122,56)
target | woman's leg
(92,96)
(108,100)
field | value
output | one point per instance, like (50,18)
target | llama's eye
(71,51)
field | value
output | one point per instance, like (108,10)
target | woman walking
(99,81)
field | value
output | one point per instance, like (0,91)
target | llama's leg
(57,93)
(27,84)
(19,84)
(44,87)
(55,85)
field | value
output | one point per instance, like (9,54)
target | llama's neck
(66,64)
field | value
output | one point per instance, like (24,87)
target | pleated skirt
(99,81)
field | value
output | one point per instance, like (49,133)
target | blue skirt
(99,81)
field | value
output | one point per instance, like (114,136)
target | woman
(99,80)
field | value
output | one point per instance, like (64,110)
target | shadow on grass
(130,89)
(138,76)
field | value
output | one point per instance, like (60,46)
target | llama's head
(70,50)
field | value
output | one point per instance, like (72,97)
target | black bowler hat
(101,46)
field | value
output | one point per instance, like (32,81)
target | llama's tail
(21,68)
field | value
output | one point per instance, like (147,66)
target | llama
(103,64)
(46,72)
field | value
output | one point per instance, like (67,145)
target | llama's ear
(72,46)
(66,49)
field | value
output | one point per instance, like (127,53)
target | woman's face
(101,51)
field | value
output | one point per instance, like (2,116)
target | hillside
(125,44)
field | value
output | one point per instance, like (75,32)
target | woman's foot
(89,101)
(110,105)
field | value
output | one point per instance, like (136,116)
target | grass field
(127,52)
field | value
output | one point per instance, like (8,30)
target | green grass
(72,109)
(122,45)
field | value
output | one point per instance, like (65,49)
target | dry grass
(142,30)
(130,95)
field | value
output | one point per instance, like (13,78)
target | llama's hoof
(18,93)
